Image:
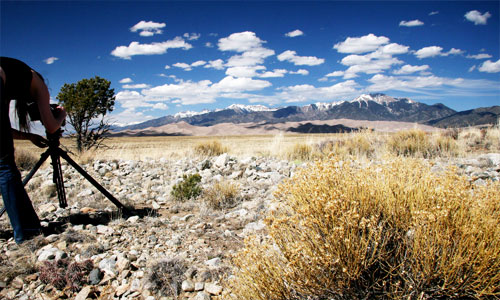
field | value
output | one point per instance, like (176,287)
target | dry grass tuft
(210,148)
(301,152)
(395,230)
(222,195)
(414,143)
(25,160)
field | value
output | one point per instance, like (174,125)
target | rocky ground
(169,249)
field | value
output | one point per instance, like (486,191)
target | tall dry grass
(394,230)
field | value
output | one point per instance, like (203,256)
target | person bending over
(21,83)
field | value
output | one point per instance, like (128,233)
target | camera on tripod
(34,112)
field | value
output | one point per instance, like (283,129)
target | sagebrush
(394,231)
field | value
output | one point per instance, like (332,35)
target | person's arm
(36,139)
(41,93)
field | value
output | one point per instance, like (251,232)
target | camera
(34,113)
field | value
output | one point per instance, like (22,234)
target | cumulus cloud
(362,44)
(433,51)
(184,66)
(136,48)
(126,80)
(294,33)
(217,64)
(411,23)
(335,74)
(300,72)
(274,73)
(147,28)
(477,18)
(490,67)
(50,60)
(409,69)
(429,52)
(244,71)
(240,42)
(292,57)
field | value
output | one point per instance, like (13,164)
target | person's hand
(60,114)
(38,140)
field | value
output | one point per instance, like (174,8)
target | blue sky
(167,57)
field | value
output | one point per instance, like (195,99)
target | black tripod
(55,153)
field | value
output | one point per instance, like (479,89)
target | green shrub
(188,188)
(393,231)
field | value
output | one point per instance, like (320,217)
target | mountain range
(370,107)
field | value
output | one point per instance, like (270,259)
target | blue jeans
(23,217)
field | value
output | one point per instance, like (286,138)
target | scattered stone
(188,286)
(213,289)
(95,276)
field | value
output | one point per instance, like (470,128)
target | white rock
(214,262)
(187,286)
(213,289)
(103,229)
(221,160)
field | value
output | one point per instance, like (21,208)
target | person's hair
(22,109)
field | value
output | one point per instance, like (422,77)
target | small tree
(87,102)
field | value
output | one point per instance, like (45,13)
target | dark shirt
(16,87)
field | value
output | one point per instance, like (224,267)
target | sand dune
(183,128)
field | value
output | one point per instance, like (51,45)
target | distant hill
(473,117)
(370,107)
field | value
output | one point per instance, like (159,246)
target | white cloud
(50,60)
(209,45)
(411,23)
(184,66)
(215,64)
(335,74)
(135,48)
(362,44)
(409,69)
(129,117)
(198,63)
(490,67)
(292,56)
(274,73)
(232,84)
(432,13)
(244,71)
(250,57)
(136,86)
(300,72)
(147,28)
(479,56)
(429,52)
(433,51)
(192,36)
(294,33)
(393,49)
(126,80)
(240,42)
(477,18)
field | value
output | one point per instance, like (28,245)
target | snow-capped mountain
(371,107)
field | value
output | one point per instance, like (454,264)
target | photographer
(19,82)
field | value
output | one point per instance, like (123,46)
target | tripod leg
(40,162)
(58,180)
(93,181)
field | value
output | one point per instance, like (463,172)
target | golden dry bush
(210,148)
(394,230)
(446,146)
(413,143)
(222,194)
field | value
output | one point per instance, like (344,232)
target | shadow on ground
(59,225)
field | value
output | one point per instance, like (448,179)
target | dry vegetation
(393,230)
